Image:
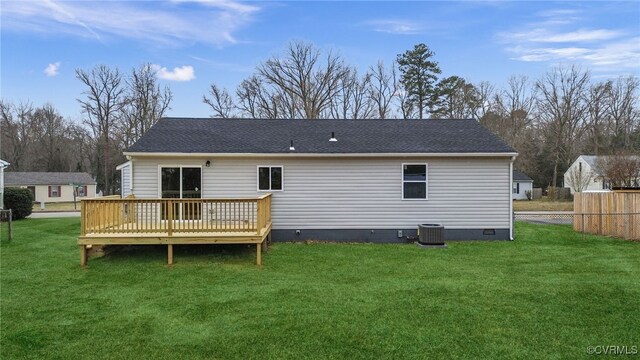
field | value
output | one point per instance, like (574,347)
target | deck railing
(170,216)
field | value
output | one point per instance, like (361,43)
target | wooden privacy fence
(611,213)
(169,216)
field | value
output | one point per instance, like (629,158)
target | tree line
(549,120)
(116,108)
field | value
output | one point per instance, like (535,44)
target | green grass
(548,294)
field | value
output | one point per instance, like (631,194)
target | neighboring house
(51,187)
(3,164)
(583,175)
(342,180)
(521,184)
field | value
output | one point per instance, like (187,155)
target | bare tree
(485,92)
(563,107)
(624,110)
(50,134)
(578,179)
(598,124)
(102,105)
(405,104)
(145,102)
(351,100)
(383,87)
(621,169)
(515,105)
(17,134)
(220,102)
(303,80)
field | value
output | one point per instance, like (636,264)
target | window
(181,182)
(54,191)
(270,178)
(516,188)
(81,191)
(414,181)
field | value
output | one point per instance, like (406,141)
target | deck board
(146,238)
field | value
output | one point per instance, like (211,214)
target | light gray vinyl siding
(125,187)
(356,193)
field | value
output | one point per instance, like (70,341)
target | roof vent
(333,137)
(291,148)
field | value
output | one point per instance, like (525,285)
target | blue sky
(194,43)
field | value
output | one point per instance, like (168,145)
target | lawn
(542,205)
(58,206)
(548,294)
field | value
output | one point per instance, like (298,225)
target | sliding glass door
(182,183)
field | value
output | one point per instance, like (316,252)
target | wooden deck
(131,221)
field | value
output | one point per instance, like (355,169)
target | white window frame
(426,181)
(58,189)
(258,177)
(179,166)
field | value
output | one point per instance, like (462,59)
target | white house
(521,185)
(583,175)
(51,187)
(340,180)
(3,164)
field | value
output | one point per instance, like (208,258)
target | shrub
(528,194)
(19,200)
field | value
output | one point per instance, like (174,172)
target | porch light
(333,137)
(291,148)
(208,163)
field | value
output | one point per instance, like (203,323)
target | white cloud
(391,26)
(167,23)
(547,36)
(52,69)
(180,73)
(552,39)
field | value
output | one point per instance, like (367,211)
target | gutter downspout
(511,215)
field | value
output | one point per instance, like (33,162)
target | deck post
(83,255)
(258,254)
(170,254)
(170,216)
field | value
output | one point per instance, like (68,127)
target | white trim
(426,182)
(123,165)
(131,179)
(329,155)
(258,177)
(511,198)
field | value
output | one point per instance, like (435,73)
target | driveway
(545,217)
(54,214)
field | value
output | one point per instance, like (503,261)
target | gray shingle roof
(257,136)
(591,160)
(520,176)
(47,178)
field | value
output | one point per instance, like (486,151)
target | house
(51,187)
(521,185)
(248,181)
(584,175)
(3,164)
(341,180)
